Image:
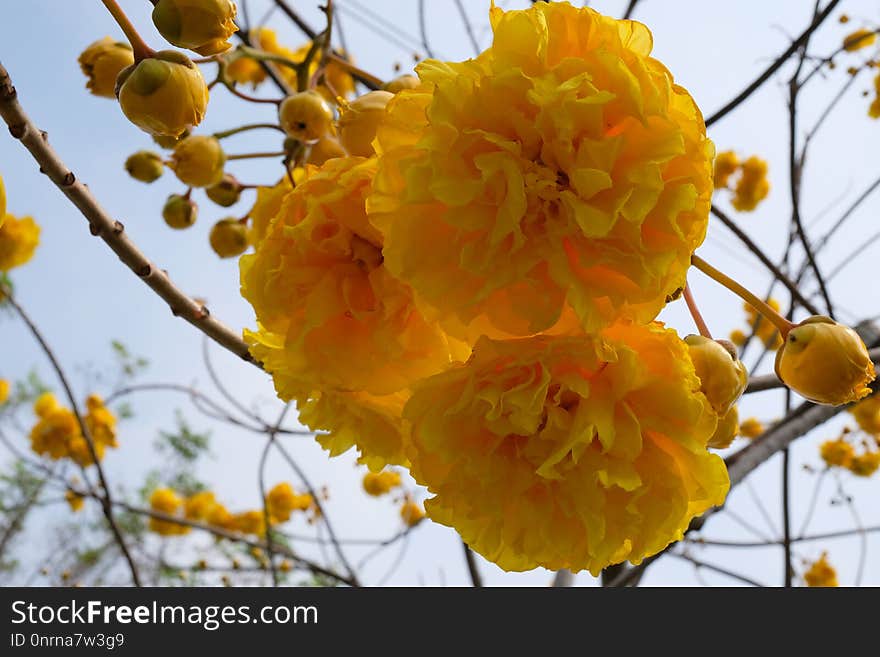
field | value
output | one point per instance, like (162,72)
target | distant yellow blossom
(751,427)
(250,522)
(165,500)
(411,513)
(865,464)
(562,165)
(199,506)
(726,164)
(836,453)
(379,483)
(4,391)
(821,573)
(867,415)
(859,39)
(567,452)
(752,186)
(338,82)
(282,501)
(75,501)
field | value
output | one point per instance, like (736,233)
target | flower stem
(251,126)
(778,320)
(249,156)
(695,313)
(138,45)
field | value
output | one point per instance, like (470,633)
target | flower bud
(163,95)
(198,161)
(726,430)
(723,377)
(226,192)
(170,142)
(324,149)
(228,238)
(180,212)
(358,122)
(400,83)
(102,62)
(145,166)
(751,427)
(825,362)
(305,116)
(200,25)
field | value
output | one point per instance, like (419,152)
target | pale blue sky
(83,297)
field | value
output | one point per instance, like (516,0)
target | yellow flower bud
(164,94)
(837,453)
(738,337)
(864,465)
(102,62)
(723,377)
(859,39)
(145,166)
(358,122)
(228,238)
(198,161)
(751,428)
(45,404)
(411,513)
(180,212)
(401,83)
(825,362)
(379,483)
(200,25)
(226,192)
(324,149)
(306,116)
(726,430)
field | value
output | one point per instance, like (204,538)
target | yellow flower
(198,161)
(145,166)
(165,500)
(179,212)
(199,506)
(282,501)
(76,502)
(102,62)
(18,241)
(53,433)
(726,430)
(306,116)
(751,428)
(867,415)
(359,120)
(562,163)
(246,70)
(200,25)
(723,377)
(836,453)
(726,164)
(825,362)
(370,423)
(164,95)
(268,204)
(228,237)
(821,573)
(752,186)
(250,522)
(379,483)
(567,452)
(4,391)
(45,404)
(738,337)
(859,39)
(411,513)
(865,464)
(329,315)
(100,422)
(219,516)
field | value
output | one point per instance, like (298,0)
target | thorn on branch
(69,178)
(118,227)
(145,271)
(19,130)
(94,229)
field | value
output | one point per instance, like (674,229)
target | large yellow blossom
(329,313)
(18,241)
(563,162)
(57,432)
(568,452)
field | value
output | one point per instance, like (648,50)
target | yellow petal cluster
(246,70)
(821,573)
(198,161)
(726,430)
(200,25)
(377,484)
(164,95)
(752,187)
(268,204)
(825,362)
(865,464)
(567,452)
(199,506)
(165,500)
(102,62)
(57,434)
(726,164)
(282,501)
(837,453)
(561,165)
(330,315)
(359,120)
(867,415)
(18,241)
